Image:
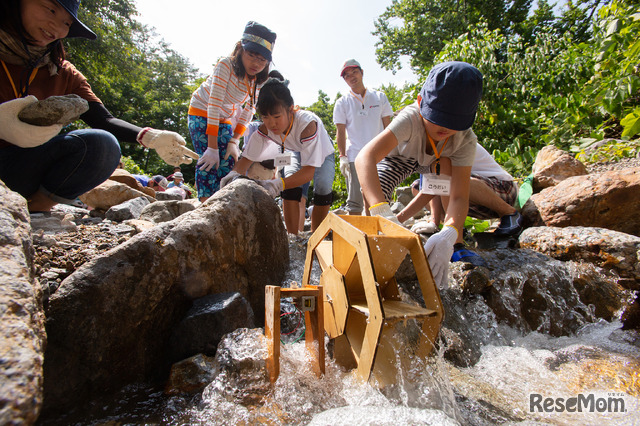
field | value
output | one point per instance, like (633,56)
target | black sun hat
(258,39)
(78,29)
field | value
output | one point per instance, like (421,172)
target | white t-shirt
(313,150)
(484,165)
(408,128)
(362,117)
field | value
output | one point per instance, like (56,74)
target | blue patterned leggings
(208,183)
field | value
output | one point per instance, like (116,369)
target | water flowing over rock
(604,200)
(22,336)
(529,294)
(116,312)
(210,318)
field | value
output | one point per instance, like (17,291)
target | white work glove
(384,210)
(229,178)
(170,146)
(439,248)
(232,149)
(424,227)
(344,167)
(273,186)
(20,133)
(210,159)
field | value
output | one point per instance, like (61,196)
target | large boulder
(110,322)
(552,166)
(22,335)
(123,176)
(603,200)
(111,193)
(610,250)
(164,211)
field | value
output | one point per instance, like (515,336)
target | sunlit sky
(314,38)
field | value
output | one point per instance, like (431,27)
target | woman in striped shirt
(231,91)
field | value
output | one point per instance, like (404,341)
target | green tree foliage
(138,78)
(419,29)
(323,108)
(565,80)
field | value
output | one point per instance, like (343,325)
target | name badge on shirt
(363,113)
(436,185)
(283,159)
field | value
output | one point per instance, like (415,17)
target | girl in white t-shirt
(286,130)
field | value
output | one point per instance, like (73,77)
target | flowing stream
(591,377)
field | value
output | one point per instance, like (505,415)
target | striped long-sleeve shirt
(221,96)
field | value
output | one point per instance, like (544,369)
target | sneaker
(510,225)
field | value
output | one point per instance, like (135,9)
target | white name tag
(363,113)
(283,159)
(436,185)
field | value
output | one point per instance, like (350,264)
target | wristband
(451,226)
(141,135)
(378,205)
(282,179)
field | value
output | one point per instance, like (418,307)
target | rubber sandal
(467,256)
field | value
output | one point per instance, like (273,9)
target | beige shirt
(408,128)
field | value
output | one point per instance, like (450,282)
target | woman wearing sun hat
(44,167)
(231,90)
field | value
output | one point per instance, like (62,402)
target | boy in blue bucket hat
(433,137)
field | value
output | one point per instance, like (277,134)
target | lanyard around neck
(251,93)
(436,152)
(15,90)
(293,116)
(360,98)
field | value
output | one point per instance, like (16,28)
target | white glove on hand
(20,133)
(439,248)
(229,178)
(344,168)
(232,149)
(384,210)
(210,159)
(170,146)
(424,227)
(273,186)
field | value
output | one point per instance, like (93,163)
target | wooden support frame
(314,331)
(361,297)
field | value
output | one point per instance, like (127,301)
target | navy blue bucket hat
(78,29)
(451,94)
(258,39)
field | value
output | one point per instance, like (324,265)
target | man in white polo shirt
(359,116)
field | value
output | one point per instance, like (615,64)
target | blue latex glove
(439,248)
